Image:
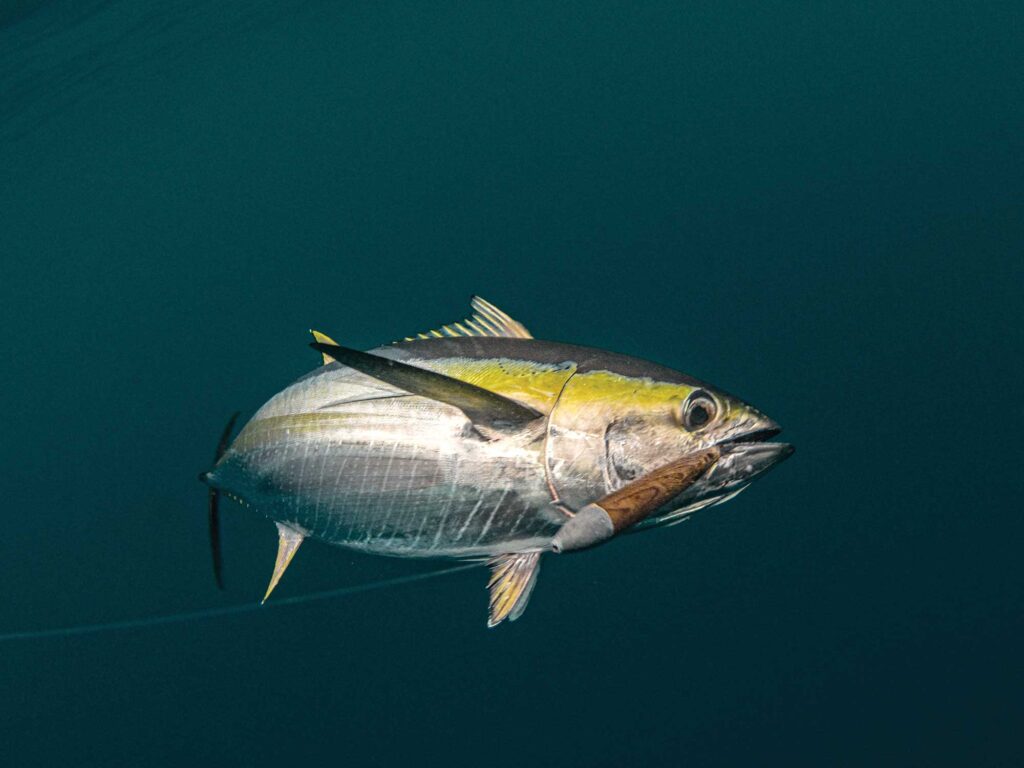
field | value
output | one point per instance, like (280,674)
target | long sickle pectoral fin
(513,578)
(287,545)
(480,405)
(602,519)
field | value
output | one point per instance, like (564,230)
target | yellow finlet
(287,546)
(486,320)
(323,338)
(513,577)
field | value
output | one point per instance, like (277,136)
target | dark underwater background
(815,206)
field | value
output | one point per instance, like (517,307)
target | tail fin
(214,508)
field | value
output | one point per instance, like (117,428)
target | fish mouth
(745,455)
(753,427)
(751,439)
(759,435)
(750,451)
(747,452)
(743,459)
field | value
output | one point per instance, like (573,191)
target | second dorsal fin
(486,320)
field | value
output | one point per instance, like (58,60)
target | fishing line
(227,610)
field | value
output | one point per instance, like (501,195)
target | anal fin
(287,545)
(513,578)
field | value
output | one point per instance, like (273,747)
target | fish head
(617,424)
(651,432)
(700,417)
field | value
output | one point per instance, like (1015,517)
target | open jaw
(744,458)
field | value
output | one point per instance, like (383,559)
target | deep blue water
(816,207)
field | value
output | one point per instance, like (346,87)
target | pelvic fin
(513,578)
(287,546)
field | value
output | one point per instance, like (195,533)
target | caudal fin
(213,516)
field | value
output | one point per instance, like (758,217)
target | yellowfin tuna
(476,440)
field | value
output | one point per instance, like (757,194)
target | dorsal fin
(482,406)
(486,320)
(323,338)
(513,578)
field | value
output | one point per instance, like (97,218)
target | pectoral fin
(287,545)
(513,578)
(633,502)
(481,406)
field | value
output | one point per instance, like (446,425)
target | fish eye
(698,411)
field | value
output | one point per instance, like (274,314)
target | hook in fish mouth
(754,428)
(745,456)
(752,443)
(752,437)
(761,435)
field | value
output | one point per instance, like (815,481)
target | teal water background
(816,206)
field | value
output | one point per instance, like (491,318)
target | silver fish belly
(350,460)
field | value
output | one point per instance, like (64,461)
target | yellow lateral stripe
(532,384)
